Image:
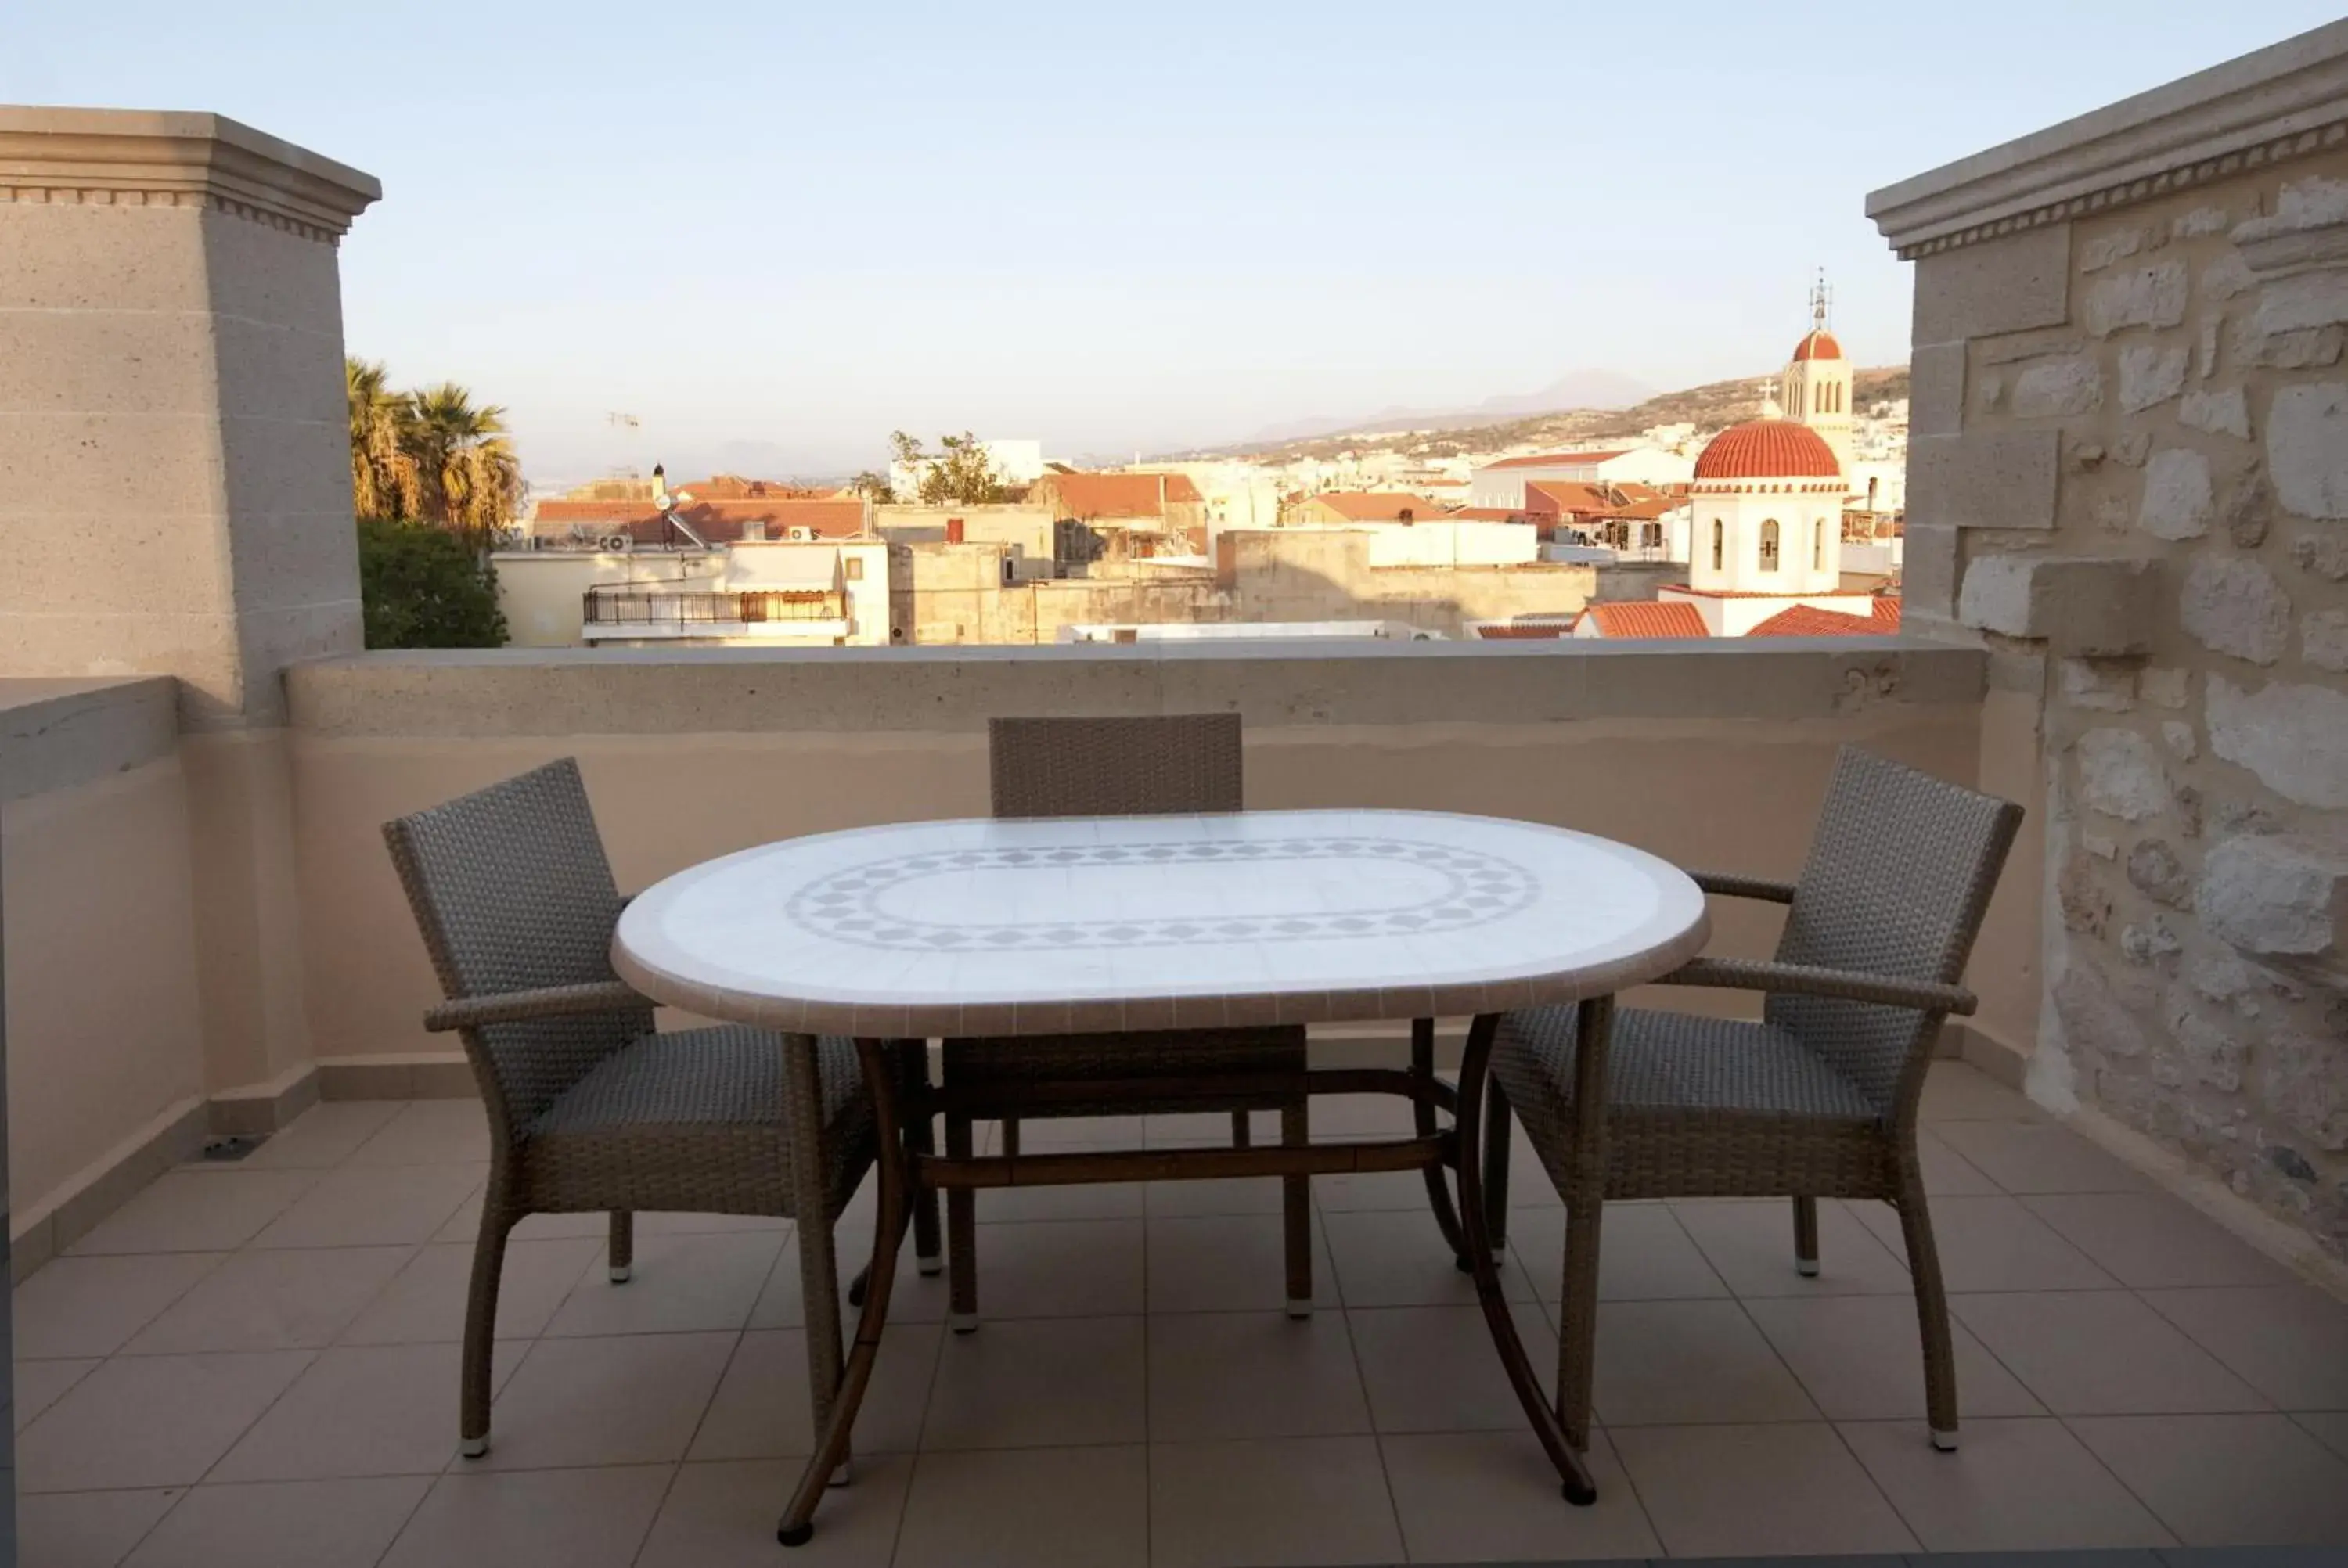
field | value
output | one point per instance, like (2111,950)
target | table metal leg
(1438,1190)
(1474,1071)
(894,1210)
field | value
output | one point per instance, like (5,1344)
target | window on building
(856,568)
(1719,544)
(1818,545)
(1770,545)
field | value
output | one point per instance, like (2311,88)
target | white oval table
(1092,924)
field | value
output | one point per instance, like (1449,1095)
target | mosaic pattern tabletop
(1103,923)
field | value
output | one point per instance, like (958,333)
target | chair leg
(482,1328)
(921,1137)
(1577,1339)
(1932,1308)
(961,1234)
(1010,1138)
(1242,1135)
(1296,1211)
(1497,1125)
(1806,1237)
(620,1258)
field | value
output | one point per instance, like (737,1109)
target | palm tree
(466,469)
(383,474)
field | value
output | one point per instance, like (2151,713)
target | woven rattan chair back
(1899,876)
(1150,766)
(513,893)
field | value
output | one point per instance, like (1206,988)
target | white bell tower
(1815,386)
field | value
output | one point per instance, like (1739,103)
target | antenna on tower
(1821,301)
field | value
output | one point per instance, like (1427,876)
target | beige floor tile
(681,1284)
(283,1524)
(2040,1157)
(1668,1363)
(1234,1195)
(671,1223)
(2290,1342)
(40,1384)
(1434,1369)
(1060,1268)
(1342,1116)
(1643,1255)
(762,1411)
(425,1302)
(1228,1375)
(1990,1244)
(150,1420)
(85,1529)
(916,1298)
(723,1516)
(616,1400)
(1040,1382)
(375,1205)
(2011,1486)
(2329,1427)
(1089,1201)
(1304,1500)
(1369,1192)
(1954,1092)
(92,1306)
(1757,1491)
(1228,1263)
(292,1300)
(429,1132)
(1752,1247)
(409,1395)
(1948,1172)
(1078,1132)
(324,1135)
(2154,1241)
(1861,1358)
(2101,1352)
(2227,1481)
(197,1211)
(466,1224)
(533,1519)
(1493,1497)
(1025,1508)
(1396,1257)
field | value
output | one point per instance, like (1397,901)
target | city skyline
(772,239)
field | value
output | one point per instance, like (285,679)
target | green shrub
(424,587)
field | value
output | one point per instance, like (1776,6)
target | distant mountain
(1597,389)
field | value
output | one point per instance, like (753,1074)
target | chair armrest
(549,1001)
(1804,980)
(1732,886)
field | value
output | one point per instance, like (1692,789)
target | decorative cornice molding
(2279,103)
(136,158)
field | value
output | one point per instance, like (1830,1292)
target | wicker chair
(1117,767)
(588,1109)
(1817,1099)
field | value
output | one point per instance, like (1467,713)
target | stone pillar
(2128,478)
(175,481)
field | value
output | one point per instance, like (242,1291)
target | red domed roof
(1768,449)
(1819,344)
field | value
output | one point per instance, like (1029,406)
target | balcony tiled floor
(256,1364)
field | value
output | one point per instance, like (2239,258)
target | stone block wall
(2130,481)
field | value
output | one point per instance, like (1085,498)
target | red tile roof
(1574,498)
(1768,449)
(1379,505)
(1115,495)
(1818,344)
(1559,459)
(1483,515)
(1804,620)
(1525,630)
(1886,609)
(1647,617)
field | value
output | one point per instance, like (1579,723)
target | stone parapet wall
(2130,483)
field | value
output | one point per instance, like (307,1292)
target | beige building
(748,594)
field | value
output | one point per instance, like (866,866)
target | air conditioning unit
(802,534)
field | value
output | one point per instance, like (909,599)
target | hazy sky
(774,232)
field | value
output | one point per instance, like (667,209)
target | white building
(1502,484)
